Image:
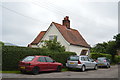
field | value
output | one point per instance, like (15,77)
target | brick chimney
(66,22)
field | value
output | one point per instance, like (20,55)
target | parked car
(81,62)
(35,64)
(103,62)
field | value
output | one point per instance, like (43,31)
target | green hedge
(96,55)
(117,59)
(12,55)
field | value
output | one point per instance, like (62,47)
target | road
(100,73)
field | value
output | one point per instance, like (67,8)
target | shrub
(11,55)
(117,59)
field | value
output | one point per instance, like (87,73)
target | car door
(42,63)
(86,62)
(51,64)
(92,63)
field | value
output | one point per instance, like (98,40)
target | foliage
(109,47)
(100,47)
(53,45)
(117,39)
(11,55)
(96,55)
(1,43)
(117,59)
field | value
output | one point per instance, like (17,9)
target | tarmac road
(100,73)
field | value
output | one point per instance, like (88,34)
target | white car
(82,62)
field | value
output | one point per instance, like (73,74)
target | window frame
(49,58)
(41,57)
(53,37)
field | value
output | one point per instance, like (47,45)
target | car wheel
(59,69)
(96,67)
(83,68)
(35,70)
(22,71)
(108,66)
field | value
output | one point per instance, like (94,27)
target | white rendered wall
(77,49)
(54,31)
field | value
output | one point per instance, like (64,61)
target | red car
(35,64)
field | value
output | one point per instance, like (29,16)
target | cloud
(96,21)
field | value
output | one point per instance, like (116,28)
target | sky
(21,22)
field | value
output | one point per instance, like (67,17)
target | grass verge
(10,72)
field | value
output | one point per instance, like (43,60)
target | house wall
(54,31)
(35,46)
(78,49)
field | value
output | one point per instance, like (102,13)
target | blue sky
(97,21)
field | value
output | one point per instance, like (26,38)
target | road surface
(100,73)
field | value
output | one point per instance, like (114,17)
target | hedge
(117,59)
(11,56)
(96,55)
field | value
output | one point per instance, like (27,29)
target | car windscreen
(29,58)
(101,59)
(73,58)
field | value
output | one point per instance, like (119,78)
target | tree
(112,49)
(100,48)
(117,39)
(53,45)
(1,43)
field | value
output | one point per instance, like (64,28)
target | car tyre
(35,70)
(83,68)
(96,67)
(59,69)
(22,71)
(108,66)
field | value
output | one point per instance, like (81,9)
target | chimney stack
(66,22)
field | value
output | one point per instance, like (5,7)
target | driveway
(100,73)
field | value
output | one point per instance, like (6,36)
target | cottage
(68,37)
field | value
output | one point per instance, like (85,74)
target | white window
(52,37)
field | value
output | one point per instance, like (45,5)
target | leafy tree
(111,49)
(100,48)
(53,45)
(117,39)
(1,43)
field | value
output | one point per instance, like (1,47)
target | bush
(11,55)
(117,59)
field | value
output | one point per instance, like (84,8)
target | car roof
(79,56)
(40,56)
(101,57)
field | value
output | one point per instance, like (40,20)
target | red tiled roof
(38,38)
(70,35)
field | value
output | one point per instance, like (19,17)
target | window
(29,58)
(73,58)
(48,59)
(83,52)
(41,59)
(82,59)
(52,37)
(86,58)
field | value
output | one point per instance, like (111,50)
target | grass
(17,72)
(10,72)
(64,69)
